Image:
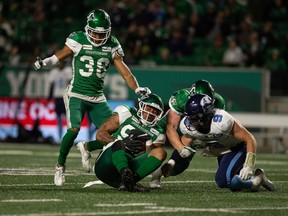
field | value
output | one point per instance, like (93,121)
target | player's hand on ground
(246,172)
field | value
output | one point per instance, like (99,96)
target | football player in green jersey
(179,160)
(133,144)
(92,51)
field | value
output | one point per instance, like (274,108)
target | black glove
(136,141)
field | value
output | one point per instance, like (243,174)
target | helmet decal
(202,87)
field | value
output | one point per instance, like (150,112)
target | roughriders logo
(90,16)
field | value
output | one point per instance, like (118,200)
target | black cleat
(140,188)
(127,180)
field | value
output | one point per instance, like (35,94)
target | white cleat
(86,156)
(59,178)
(155,180)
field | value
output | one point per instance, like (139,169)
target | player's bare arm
(173,121)
(186,140)
(63,53)
(106,129)
(125,72)
(242,134)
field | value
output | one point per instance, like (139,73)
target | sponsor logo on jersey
(214,135)
(91,52)
(87,47)
(106,49)
(217,135)
(154,131)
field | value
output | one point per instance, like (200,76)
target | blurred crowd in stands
(233,33)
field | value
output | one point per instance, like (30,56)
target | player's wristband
(51,61)
(250,159)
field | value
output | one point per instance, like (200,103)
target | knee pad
(118,145)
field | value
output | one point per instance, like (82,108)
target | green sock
(66,145)
(94,145)
(148,166)
(120,160)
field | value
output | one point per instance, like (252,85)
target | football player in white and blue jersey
(222,136)
(171,122)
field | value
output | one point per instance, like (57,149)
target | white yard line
(31,200)
(123,204)
(161,209)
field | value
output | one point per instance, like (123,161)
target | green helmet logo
(98,27)
(202,87)
(151,108)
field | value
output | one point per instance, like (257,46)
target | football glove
(136,141)
(248,166)
(39,63)
(246,172)
(142,91)
(186,151)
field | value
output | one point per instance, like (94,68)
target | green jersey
(179,98)
(129,120)
(89,66)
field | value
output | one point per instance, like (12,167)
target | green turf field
(26,188)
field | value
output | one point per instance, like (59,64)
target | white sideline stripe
(32,200)
(155,209)
(124,204)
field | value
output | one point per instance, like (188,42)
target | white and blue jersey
(221,143)
(219,140)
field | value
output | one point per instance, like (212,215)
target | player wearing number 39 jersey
(92,53)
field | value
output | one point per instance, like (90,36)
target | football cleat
(140,188)
(155,181)
(127,180)
(86,156)
(257,181)
(59,178)
(266,183)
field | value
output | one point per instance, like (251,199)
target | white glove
(186,151)
(246,172)
(39,63)
(142,91)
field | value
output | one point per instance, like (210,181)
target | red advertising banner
(28,110)
(15,112)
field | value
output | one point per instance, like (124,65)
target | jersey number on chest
(90,66)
